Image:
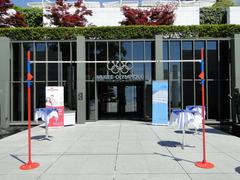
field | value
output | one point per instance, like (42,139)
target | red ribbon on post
(203,164)
(29,165)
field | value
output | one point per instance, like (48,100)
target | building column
(81,78)
(159,73)
(4,82)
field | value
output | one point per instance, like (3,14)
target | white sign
(54,96)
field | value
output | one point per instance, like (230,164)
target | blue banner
(160,103)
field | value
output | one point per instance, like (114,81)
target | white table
(45,114)
(182,118)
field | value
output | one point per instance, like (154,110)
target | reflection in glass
(52,56)
(187,54)
(126,50)
(90,56)
(113,50)
(149,55)
(212,59)
(165,57)
(40,56)
(175,94)
(131,98)
(101,53)
(112,99)
(175,55)
(90,103)
(138,55)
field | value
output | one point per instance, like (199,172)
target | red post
(29,165)
(203,163)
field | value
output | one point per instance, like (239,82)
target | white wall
(105,16)
(233,15)
(187,16)
(112,16)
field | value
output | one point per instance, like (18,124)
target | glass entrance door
(120,100)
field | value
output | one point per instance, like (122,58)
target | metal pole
(203,164)
(29,165)
(116,62)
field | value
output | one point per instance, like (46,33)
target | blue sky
(23,2)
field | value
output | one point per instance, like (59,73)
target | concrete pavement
(119,150)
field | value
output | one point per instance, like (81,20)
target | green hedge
(121,32)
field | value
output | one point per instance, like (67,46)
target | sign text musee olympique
(120,77)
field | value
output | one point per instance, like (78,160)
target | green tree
(223,4)
(32,16)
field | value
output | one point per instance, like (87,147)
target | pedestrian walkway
(119,150)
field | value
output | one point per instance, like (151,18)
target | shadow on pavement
(41,137)
(186,132)
(17,158)
(237,169)
(175,158)
(169,143)
(173,144)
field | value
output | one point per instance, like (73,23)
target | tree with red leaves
(160,15)
(9,17)
(68,15)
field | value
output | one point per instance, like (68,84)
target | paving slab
(120,150)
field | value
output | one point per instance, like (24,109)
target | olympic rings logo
(117,67)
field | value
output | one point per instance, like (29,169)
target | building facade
(120,87)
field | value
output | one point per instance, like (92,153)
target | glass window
(165,57)
(40,67)
(188,93)
(213,100)
(40,95)
(17,67)
(138,55)
(175,94)
(90,56)
(101,53)
(187,54)
(126,50)
(113,51)
(224,59)
(131,98)
(65,56)
(175,55)
(17,107)
(52,56)
(212,59)
(149,55)
(224,100)
(90,100)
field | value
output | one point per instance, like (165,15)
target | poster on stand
(55,99)
(160,103)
